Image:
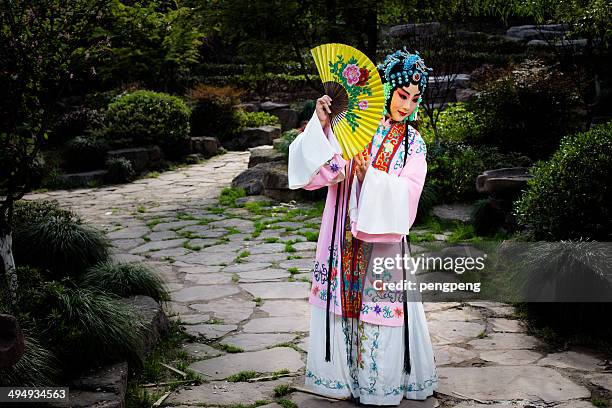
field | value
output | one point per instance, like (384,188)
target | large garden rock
(264,154)
(270,106)
(142,158)
(249,106)
(12,344)
(83,178)
(252,137)
(101,387)
(288,118)
(417,30)
(505,182)
(153,316)
(532,32)
(204,145)
(251,179)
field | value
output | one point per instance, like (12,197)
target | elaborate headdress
(402,68)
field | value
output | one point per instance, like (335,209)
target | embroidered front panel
(388,147)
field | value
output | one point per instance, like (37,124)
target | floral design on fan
(354,79)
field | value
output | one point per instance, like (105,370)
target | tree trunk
(6,253)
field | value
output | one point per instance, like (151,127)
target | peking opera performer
(358,336)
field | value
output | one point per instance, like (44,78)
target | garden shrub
(214,111)
(149,118)
(119,170)
(92,326)
(77,122)
(56,240)
(85,153)
(570,195)
(307,109)
(528,110)
(256,119)
(287,138)
(457,123)
(453,167)
(125,279)
(37,366)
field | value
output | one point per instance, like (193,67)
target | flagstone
(456,314)
(510,357)
(168,253)
(265,361)
(246,267)
(305,264)
(207,258)
(266,248)
(129,232)
(162,235)
(601,380)
(443,332)
(284,308)
(165,226)
(157,245)
(276,325)
(229,310)
(280,290)
(257,341)
(200,269)
(127,244)
(305,246)
(200,350)
(263,275)
(509,383)
(223,393)
(506,341)
(209,331)
(238,223)
(275,257)
(506,325)
(193,318)
(203,293)
(209,279)
(572,359)
(452,355)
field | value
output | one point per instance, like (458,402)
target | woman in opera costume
(358,346)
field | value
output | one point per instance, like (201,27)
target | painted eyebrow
(407,93)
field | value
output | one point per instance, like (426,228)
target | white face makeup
(404,101)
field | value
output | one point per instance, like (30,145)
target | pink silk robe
(382,208)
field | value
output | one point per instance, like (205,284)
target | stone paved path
(256,301)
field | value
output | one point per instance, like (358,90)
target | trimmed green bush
(85,153)
(456,123)
(148,117)
(214,111)
(119,170)
(125,279)
(570,195)
(528,110)
(256,119)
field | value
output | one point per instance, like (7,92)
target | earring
(387,93)
(413,115)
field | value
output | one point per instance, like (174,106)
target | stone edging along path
(256,301)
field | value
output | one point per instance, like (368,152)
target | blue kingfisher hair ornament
(402,68)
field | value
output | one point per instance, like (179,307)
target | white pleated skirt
(378,378)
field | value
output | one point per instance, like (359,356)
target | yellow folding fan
(353,83)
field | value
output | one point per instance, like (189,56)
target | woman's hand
(362,165)
(323,109)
